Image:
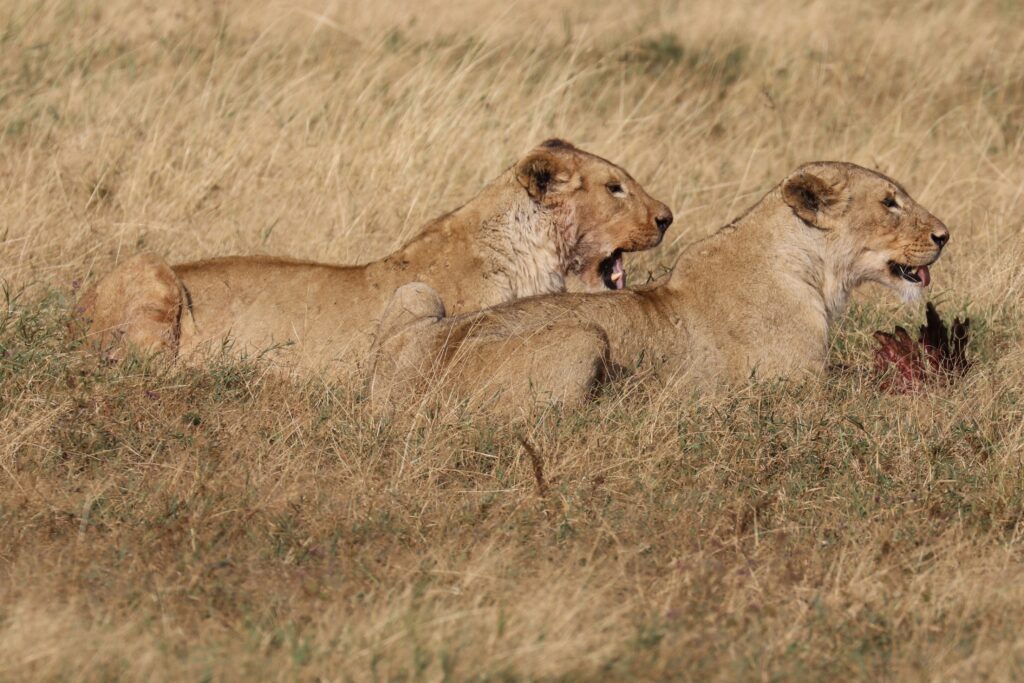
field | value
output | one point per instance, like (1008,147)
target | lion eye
(616,189)
(890,202)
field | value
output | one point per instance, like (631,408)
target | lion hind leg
(417,354)
(137,307)
(562,362)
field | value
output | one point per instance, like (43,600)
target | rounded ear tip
(823,169)
(556,143)
(804,170)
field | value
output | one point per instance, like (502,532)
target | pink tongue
(617,268)
(925,276)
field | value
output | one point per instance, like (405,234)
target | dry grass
(173,523)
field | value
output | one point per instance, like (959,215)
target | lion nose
(940,238)
(663,221)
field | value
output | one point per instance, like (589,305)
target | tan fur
(758,296)
(557,211)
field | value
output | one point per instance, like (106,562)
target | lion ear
(811,195)
(545,171)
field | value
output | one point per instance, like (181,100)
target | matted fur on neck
(530,243)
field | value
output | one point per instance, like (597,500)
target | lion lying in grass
(758,296)
(559,210)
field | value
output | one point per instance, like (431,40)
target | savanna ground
(224,522)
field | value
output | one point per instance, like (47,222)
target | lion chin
(910,294)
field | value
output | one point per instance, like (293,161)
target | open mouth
(917,275)
(613,273)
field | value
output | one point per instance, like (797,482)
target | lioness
(559,210)
(758,295)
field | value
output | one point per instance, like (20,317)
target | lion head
(603,212)
(877,230)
